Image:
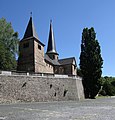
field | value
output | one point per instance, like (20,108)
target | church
(32,57)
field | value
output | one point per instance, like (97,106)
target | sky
(69,18)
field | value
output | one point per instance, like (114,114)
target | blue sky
(69,18)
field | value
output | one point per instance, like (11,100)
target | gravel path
(97,109)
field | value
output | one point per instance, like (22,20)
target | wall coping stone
(43,75)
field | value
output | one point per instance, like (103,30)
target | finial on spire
(30,14)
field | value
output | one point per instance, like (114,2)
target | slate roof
(31,32)
(51,41)
(53,62)
(60,62)
(67,61)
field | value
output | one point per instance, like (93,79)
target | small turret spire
(51,41)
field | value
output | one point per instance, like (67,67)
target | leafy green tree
(108,84)
(8,46)
(113,83)
(90,62)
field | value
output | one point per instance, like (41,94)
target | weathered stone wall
(40,65)
(28,88)
(68,69)
(48,68)
(26,55)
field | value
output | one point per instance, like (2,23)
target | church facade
(32,57)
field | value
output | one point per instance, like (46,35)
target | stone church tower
(31,51)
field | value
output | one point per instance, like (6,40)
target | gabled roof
(51,41)
(48,59)
(67,61)
(30,30)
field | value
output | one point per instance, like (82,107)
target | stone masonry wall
(40,65)
(34,89)
(26,58)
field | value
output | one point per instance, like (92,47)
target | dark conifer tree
(90,62)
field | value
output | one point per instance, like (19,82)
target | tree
(79,72)
(90,62)
(8,46)
(109,88)
(108,84)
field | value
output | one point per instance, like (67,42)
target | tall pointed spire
(30,30)
(51,41)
